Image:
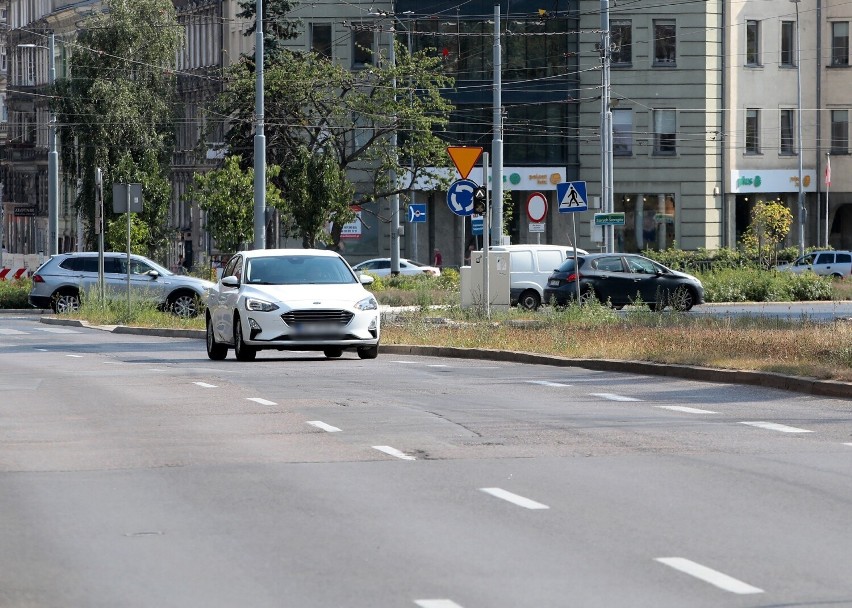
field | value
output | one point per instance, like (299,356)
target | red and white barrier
(13,274)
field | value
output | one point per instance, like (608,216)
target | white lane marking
(57,330)
(708,575)
(393,452)
(437,365)
(546,383)
(42,350)
(514,498)
(12,332)
(436,604)
(113,362)
(683,408)
(772,426)
(75,356)
(847,444)
(322,425)
(205,385)
(261,401)
(614,397)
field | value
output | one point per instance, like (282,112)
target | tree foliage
(116,109)
(315,104)
(277,25)
(227,197)
(318,194)
(770,225)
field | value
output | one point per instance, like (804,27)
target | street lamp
(799,128)
(52,156)
(259,136)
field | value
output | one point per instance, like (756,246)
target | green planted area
(13,294)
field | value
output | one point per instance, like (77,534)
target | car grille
(295,318)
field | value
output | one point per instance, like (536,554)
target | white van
(530,267)
(837,264)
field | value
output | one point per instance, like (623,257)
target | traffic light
(479,196)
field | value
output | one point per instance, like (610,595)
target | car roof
(262,253)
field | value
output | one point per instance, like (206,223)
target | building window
(665,132)
(840,131)
(649,221)
(362,48)
(622,132)
(321,39)
(621,37)
(752,42)
(788,140)
(840,43)
(788,43)
(752,131)
(665,43)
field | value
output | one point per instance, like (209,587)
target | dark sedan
(623,278)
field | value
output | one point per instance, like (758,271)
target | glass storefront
(649,221)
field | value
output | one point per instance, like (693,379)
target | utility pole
(496,224)
(606,129)
(259,136)
(799,128)
(394,230)
(52,161)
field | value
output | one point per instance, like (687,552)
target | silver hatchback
(61,282)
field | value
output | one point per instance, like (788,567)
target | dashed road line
(547,383)
(322,425)
(205,385)
(850,444)
(772,426)
(75,356)
(12,332)
(436,604)
(57,330)
(708,575)
(685,409)
(393,452)
(261,401)
(514,498)
(614,397)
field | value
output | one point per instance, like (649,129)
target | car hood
(308,296)
(187,281)
(685,275)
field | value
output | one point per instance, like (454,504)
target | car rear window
(844,258)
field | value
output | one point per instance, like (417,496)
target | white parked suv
(837,264)
(64,279)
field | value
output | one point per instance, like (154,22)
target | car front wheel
(241,349)
(215,350)
(368,352)
(682,299)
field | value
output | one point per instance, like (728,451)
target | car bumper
(560,295)
(270,330)
(39,301)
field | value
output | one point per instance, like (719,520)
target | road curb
(797,384)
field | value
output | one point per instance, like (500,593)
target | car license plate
(313,329)
(553,283)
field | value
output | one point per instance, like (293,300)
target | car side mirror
(153,274)
(230,281)
(365,279)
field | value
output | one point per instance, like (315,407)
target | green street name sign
(609,219)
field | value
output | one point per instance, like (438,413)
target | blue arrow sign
(571,197)
(416,213)
(460,196)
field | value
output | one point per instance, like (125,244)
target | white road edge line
(205,385)
(685,409)
(393,452)
(708,575)
(514,498)
(322,425)
(261,401)
(614,397)
(546,383)
(772,426)
(436,604)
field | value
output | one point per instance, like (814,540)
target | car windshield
(297,270)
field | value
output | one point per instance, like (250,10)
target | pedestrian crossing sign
(571,197)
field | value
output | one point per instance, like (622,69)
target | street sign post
(572,197)
(609,219)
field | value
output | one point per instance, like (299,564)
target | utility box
(499,280)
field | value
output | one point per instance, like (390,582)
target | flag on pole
(828,171)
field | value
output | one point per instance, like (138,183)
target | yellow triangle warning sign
(464,158)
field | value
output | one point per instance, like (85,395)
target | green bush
(755,285)
(13,294)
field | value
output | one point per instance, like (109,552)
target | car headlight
(260,305)
(368,303)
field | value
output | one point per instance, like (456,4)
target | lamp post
(799,129)
(259,136)
(52,154)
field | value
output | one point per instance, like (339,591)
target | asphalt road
(136,472)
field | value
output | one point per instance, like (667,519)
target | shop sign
(772,181)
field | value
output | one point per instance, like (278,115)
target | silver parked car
(64,279)
(291,299)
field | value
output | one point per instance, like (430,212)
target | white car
(837,264)
(381,267)
(291,299)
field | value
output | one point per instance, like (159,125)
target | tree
(226,196)
(118,106)
(770,225)
(277,26)
(313,103)
(318,194)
